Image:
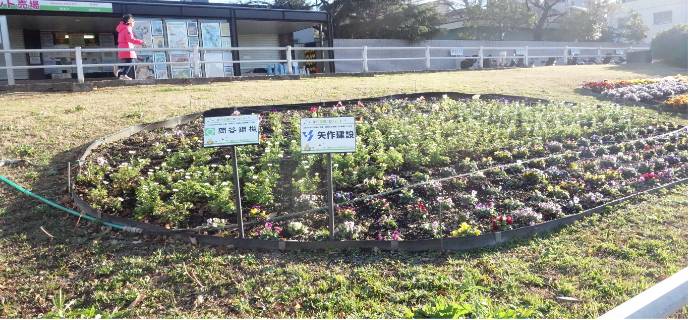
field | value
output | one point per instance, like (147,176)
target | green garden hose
(68,210)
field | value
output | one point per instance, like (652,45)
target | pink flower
(314,109)
(396,235)
(360,104)
(379,237)
(268,225)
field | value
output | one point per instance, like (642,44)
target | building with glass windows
(48,24)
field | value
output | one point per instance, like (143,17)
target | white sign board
(328,135)
(231,130)
(520,51)
(456,52)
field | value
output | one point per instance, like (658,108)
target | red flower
(509,220)
(494,225)
(422,206)
(648,176)
(314,109)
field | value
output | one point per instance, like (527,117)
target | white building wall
(647,9)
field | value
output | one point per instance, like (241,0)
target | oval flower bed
(587,155)
(650,91)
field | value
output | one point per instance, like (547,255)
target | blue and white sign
(456,52)
(328,135)
(231,130)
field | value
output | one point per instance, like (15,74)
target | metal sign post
(331,205)
(238,193)
(328,135)
(233,131)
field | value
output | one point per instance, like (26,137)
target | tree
(634,30)
(396,19)
(499,17)
(546,13)
(586,24)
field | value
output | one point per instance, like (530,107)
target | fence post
(427,54)
(526,56)
(565,55)
(365,62)
(481,57)
(288,56)
(80,65)
(196,63)
(5,33)
(599,54)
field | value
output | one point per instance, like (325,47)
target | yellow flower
(677,101)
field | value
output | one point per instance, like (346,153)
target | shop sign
(231,130)
(50,5)
(328,135)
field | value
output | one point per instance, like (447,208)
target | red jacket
(125,39)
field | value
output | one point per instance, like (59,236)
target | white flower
(132,152)
(101,161)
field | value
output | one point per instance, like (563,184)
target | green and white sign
(328,135)
(50,5)
(231,130)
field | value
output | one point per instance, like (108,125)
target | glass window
(663,17)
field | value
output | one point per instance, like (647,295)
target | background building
(44,24)
(657,15)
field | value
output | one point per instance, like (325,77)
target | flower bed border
(443,244)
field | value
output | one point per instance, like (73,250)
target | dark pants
(126,70)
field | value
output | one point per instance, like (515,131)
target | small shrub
(533,178)
(295,229)
(503,156)
(464,230)
(554,146)
(671,46)
(550,210)
(527,216)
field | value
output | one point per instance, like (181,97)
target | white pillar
(5,34)
(481,57)
(565,55)
(80,64)
(599,59)
(288,56)
(526,56)
(365,60)
(427,54)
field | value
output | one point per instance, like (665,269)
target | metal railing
(658,302)
(195,61)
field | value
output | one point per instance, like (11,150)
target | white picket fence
(658,302)
(195,62)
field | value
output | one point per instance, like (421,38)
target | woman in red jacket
(125,39)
